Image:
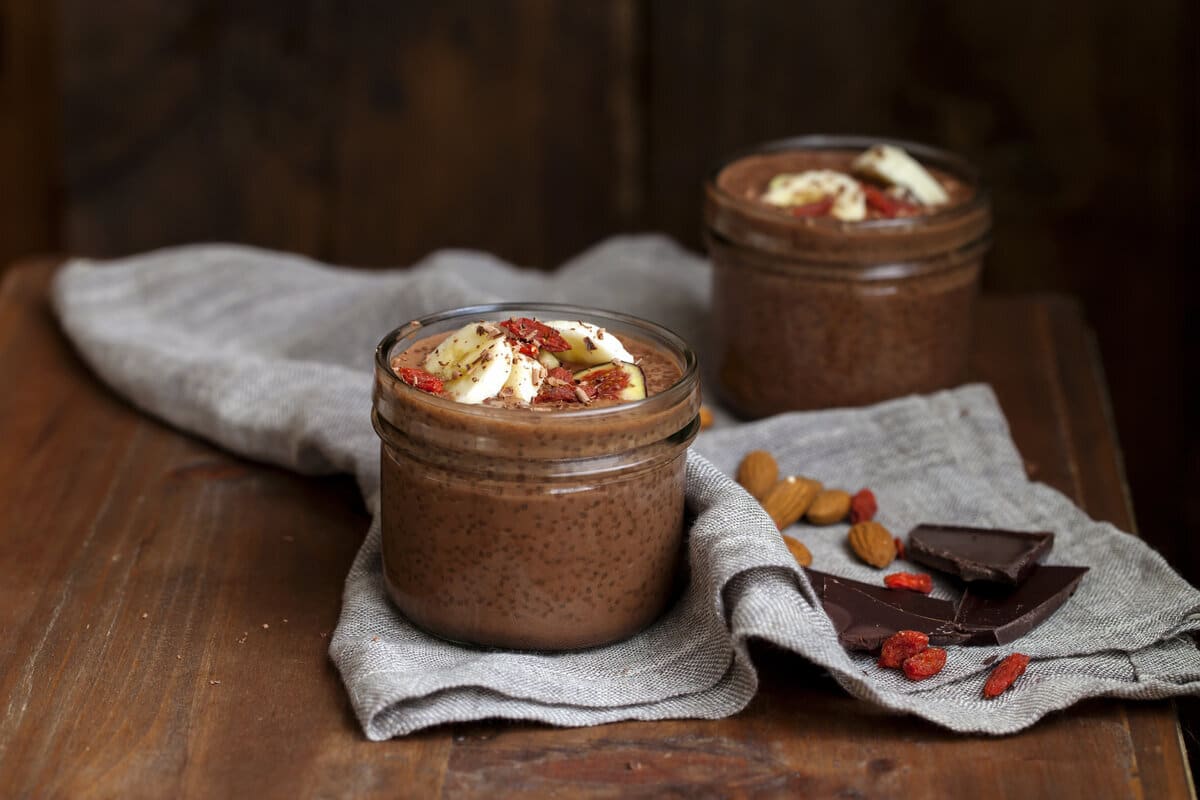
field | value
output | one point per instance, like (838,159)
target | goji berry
(606,384)
(899,547)
(536,333)
(818,208)
(913,581)
(886,205)
(559,387)
(420,379)
(900,646)
(1005,673)
(863,506)
(925,664)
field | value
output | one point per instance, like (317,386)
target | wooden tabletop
(165,610)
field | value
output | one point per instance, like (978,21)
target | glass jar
(814,312)
(533,529)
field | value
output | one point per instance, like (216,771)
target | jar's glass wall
(533,530)
(816,313)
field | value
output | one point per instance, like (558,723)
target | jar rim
(938,157)
(675,393)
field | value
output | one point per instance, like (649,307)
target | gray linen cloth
(269,355)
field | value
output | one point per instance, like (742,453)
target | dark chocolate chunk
(865,615)
(978,554)
(997,614)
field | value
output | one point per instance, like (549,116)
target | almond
(872,542)
(758,472)
(788,499)
(799,551)
(706,418)
(829,507)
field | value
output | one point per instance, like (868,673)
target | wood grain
(141,570)
(141,566)
(365,133)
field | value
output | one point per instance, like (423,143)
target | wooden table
(165,610)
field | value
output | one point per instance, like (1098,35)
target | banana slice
(524,379)
(589,344)
(813,186)
(461,349)
(548,359)
(475,362)
(485,376)
(893,166)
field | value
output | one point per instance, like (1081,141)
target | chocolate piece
(978,554)
(995,614)
(865,615)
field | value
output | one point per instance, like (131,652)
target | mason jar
(534,529)
(815,312)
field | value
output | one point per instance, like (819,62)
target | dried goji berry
(535,333)
(605,384)
(925,664)
(818,208)
(420,379)
(913,581)
(900,646)
(1005,673)
(863,507)
(885,204)
(899,547)
(558,387)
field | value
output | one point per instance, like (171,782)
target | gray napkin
(269,355)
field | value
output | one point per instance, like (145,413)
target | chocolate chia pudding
(811,310)
(548,520)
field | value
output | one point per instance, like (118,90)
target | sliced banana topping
(589,343)
(814,186)
(893,166)
(504,362)
(485,376)
(459,351)
(524,379)
(475,362)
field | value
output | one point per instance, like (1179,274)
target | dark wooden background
(371,132)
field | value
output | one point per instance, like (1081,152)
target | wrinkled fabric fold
(269,355)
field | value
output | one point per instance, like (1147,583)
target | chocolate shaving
(491,329)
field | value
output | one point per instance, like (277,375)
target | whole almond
(816,485)
(758,472)
(706,418)
(799,551)
(829,507)
(872,542)
(788,499)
